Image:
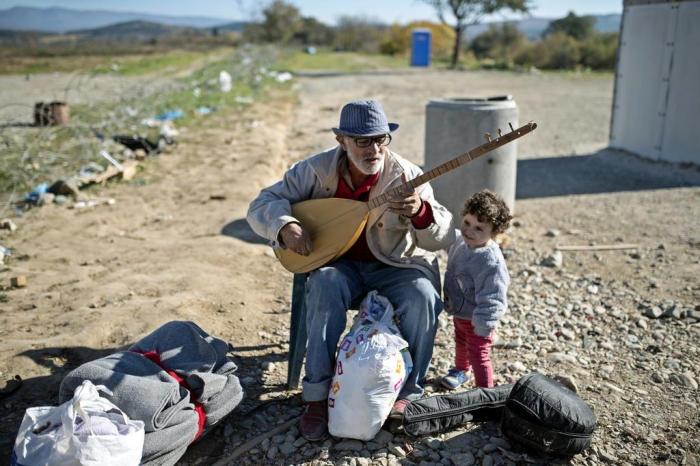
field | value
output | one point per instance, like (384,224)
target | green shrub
(599,51)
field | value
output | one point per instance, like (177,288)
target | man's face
(476,233)
(367,160)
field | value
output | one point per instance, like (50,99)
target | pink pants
(472,350)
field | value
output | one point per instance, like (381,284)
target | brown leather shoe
(313,425)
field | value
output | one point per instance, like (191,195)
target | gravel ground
(622,325)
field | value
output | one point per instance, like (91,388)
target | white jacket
(391,238)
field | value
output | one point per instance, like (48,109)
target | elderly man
(391,256)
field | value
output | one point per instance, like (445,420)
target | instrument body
(335,224)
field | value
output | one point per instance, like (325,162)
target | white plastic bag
(371,368)
(86,430)
(224,81)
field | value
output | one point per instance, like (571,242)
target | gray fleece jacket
(391,238)
(476,285)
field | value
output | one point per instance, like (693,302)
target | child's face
(476,233)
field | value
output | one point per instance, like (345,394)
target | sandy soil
(101,278)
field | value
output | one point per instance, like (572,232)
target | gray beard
(359,163)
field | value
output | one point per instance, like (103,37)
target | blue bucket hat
(364,118)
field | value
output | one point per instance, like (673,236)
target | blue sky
(324,10)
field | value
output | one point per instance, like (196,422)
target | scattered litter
(169,132)
(170,115)
(20,281)
(204,110)
(196,92)
(66,187)
(93,203)
(111,160)
(224,81)
(283,77)
(217,197)
(131,111)
(137,142)
(7,224)
(310,50)
(35,195)
(88,170)
(4,252)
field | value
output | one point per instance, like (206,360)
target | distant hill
(534,27)
(135,30)
(57,19)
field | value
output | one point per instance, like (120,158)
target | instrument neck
(449,166)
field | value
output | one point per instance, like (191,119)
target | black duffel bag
(542,414)
(445,412)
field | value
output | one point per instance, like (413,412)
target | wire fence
(30,155)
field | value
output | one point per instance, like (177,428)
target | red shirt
(360,250)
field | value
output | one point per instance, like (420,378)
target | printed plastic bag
(371,368)
(86,430)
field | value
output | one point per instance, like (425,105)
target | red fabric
(472,350)
(424,217)
(198,408)
(360,250)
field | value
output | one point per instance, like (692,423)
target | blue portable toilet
(420,47)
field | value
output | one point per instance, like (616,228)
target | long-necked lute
(335,224)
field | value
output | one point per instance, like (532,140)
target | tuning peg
(499,132)
(511,126)
(487,136)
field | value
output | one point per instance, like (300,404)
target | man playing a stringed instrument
(392,253)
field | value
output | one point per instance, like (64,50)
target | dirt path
(101,278)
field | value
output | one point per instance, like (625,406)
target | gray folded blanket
(143,389)
(202,361)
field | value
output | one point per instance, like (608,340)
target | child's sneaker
(455,378)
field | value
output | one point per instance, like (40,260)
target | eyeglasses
(382,140)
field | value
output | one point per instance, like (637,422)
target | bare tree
(470,12)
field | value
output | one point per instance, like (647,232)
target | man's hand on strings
(406,203)
(295,238)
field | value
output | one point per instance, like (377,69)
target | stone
(268,366)
(488,461)
(552,233)
(7,224)
(432,443)
(674,312)
(383,437)
(554,260)
(396,450)
(20,281)
(687,380)
(607,456)
(349,445)
(517,366)
(287,448)
(463,459)
(489,448)
(567,381)
(299,442)
(272,452)
(568,334)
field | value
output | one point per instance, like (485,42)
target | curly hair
(488,206)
